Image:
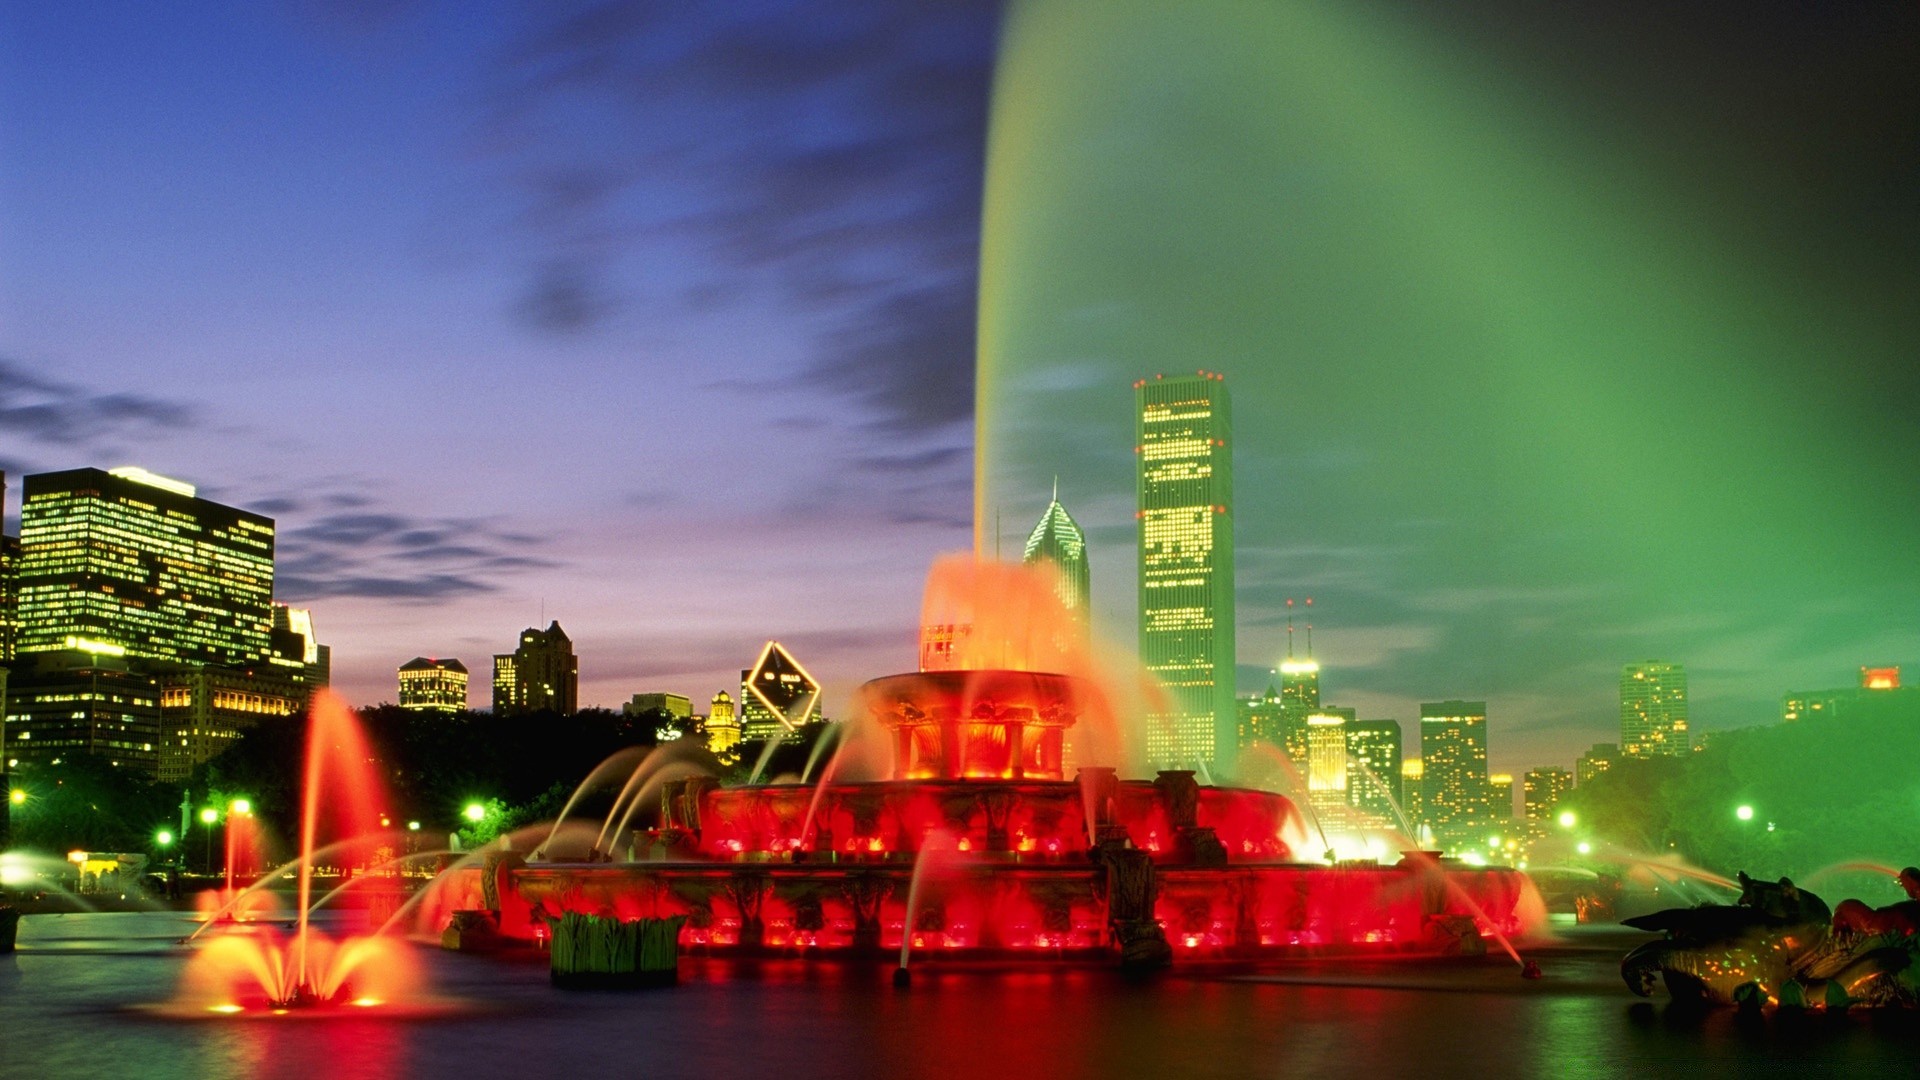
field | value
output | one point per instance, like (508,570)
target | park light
(241,806)
(1494,841)
(1744,812)
(163,838)
(1584,848)
(413,826)
(475,812)
(1567,819)
(17,797)
(208,815)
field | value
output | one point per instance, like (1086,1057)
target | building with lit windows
(542,675)
(1500,797)
(777,695)
(1598,759)
(1374,767)
(1413,773)
(723,729)
(1653,710)
(76,701)
(1183,442)
(9,589)
(1299,699)
(1058,540)
(430,685)
(1879,689)
(137,562)
(1260,719)
(1456,796)
(677,709)
(1546,788)
(1327,779)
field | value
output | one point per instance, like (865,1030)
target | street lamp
(241,806)
(1584,848)
(208,815)
(475,812)
(1567,819)
(17,797)
(163,838)
(1744,812)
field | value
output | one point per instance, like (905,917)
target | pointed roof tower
(1059,539)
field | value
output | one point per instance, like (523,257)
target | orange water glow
(258,967)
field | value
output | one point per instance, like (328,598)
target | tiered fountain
(1010,769)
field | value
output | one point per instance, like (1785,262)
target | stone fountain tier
(988,724)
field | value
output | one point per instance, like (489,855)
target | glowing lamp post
(17,797)
(1744,812)
(163,838)
(1567,819)
(208,816)
(475,813)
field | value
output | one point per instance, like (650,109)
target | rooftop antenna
(1289,627)
(1309,629)
(1056,487)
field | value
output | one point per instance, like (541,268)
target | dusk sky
(1557,339)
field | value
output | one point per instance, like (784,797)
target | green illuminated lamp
(209,815)
(475,812)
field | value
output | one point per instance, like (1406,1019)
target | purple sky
(658,320)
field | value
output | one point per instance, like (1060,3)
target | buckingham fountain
(996,822)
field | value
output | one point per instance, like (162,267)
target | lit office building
(1456,796)
(1260,719)
(676,708)
(1374,767)
(777,695)
(1879,690)
(1598,759)
(1546,788)
(1327,761)
(1653,710)
(1299,699)
(77,701)
(129,561)
(1500,797)
(542,675)
(1185,497)
(430,685)
(1058,540)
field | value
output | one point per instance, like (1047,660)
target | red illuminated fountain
(1003,754)
(259,968)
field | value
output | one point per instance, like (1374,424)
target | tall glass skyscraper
(1457,795)
(129,564)
(1057,539)
(1183,437)
(1653,710)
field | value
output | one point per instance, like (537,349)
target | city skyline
(419,496)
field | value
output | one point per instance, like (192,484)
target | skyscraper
(9,587)
(129,561)
(1183,443)
(1262,719)
(1327,779)
(1057,539)
(777,695)
(1653,710)
(1545,788)
(1456,796)
(542,675)
(1299,699)
(430,685)
(1374,767)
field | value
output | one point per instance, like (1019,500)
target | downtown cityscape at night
(1230,538)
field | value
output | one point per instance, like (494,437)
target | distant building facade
(1598,759)
(1546,788)
(723,729)
(1456,796)
(777,695)
(1878,688)
(1183,442)
(430,685)
(1299,699)
(542,675)
(1326,770)
(1653,710)
(1058,541)
(1374,762)
(147,631)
